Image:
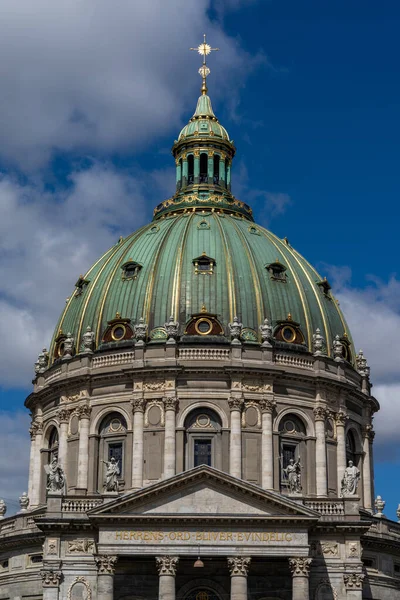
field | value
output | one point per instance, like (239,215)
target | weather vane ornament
(204,50)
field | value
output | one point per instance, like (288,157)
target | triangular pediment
(203,492)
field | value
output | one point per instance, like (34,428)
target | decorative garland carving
(154,386)
(84,582)
(160,405)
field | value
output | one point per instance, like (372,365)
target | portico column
(169,437)
(320,450)
(353,583)
(105,576)
(340,419)
(137,453)
(63,418)
(83,448)
(166,567)
(367,468)
(35,467)
(267,457)
(235,447)
(300,568)
(239,568)
(51,581)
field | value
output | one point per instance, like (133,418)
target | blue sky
(90,104)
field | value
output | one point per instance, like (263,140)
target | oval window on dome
(118,332)
(289,334)
(203,326)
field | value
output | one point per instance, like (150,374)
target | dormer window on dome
(204,324)
(325,287)
(288,331)
(130,270)
(277,271)
(118,329)
(81,285)
(204,265)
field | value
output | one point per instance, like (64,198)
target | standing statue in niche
(293,474)
(112,474)
(350,480)
(55,476)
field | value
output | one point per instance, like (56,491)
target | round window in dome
(288,334)
(203,326)
(118,332)
(60,350)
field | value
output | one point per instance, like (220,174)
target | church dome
(202,255)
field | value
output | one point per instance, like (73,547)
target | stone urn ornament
(24,502)
(379,507)
(337,349)
(140,330)
(42,361)
(88,340)
(266,333)
(68,346)
(235,329)
(172,328)
(318,343)
(3,508)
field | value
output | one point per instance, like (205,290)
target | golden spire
(204,49)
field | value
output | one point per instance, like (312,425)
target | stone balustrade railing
(204,353)
(294,361)
(327,507)
(80,505)
(110,360)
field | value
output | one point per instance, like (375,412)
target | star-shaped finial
(204,50)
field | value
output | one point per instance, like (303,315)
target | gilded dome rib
(230,277)
(178,271)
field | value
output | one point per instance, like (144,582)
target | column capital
(167,565)
(235,403)
(267,405)
(300,566)
(35,429)
(353,581)
(51,578)
(319,413)
(138,404)
(341,418)
(239,565)
(170,403)
(63,415)
(368,432)
(106,564)
(83,411)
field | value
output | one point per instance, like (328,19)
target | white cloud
(373,315)
(46,241)
(87,75)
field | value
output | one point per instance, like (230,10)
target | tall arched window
(351,448)
(112,442)
(292,433)
(181,173)
(216,169)
(53,444)
(203,168)
(203,439)
(190,160)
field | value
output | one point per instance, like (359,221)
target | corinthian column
(169,437)
(300,568)
(137,454)
(166,567)
(367,431)
(235,447)
(105,578)
(51,581)
(340,419)
(83,449)
(267,456)
(35,467)
(239,567)
(320,450)
(63,418)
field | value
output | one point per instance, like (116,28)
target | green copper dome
(202,255)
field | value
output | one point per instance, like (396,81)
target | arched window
(112,442)
(216,169)
(53,444)
(351,448)
(292,433)
(203,168)
(181,173)
(203,439)
(190,160)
